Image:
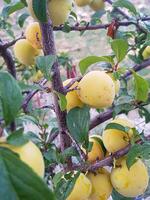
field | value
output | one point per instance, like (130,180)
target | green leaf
(22,19)
(125,4)
(120,47)
(117,126)
(10,97)
(18,181)
(136,151)
(62,101)
(78,120)
(65,186)
(53,156)
(69,152)
(144,113)
(17,138)
(86,62)
(39,8)
(141,87)
(116,196)
(11,8)
(45,63)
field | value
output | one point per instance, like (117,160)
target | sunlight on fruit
(114,139)
(130,182)
(97,4)
(59,11)
(24,52)
(33,35)
(146,52)
(82,189)
(72,97)
(30,154)
(101,185)
(96,89)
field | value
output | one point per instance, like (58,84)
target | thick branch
(49,49)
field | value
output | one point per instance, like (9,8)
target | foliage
(17,104)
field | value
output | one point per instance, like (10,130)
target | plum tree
(130,182)
(60,117)
(96,89)
(29,153)
(115,139)
(101,184)
(24,52)
(72,97)
(33,35)
(82,188)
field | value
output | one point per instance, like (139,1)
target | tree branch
(49,49)
(101,26)
(108,161)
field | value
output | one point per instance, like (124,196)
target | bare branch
(101,26)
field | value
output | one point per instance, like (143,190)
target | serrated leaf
(78,120)
(86,62)
(39,8)
(120,47)
(141,87)
(136,151)
(10,97)
(22,19)
(45,63)
(17,138)
(18,181)
(116,196)
(125,4)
